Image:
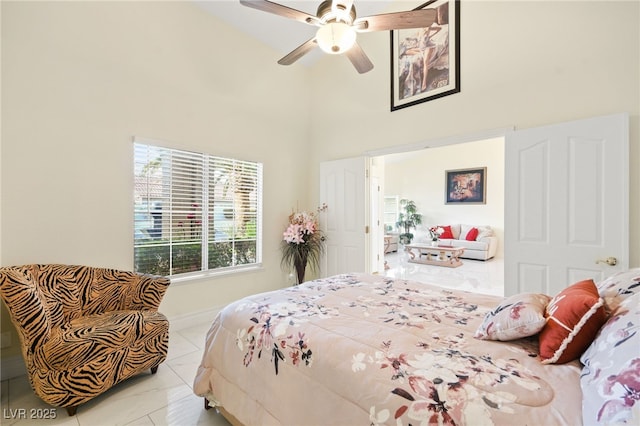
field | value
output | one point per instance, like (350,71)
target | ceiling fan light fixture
(336,37)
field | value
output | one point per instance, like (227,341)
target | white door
(566,203)
(344,188)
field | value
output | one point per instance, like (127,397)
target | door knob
(611,261)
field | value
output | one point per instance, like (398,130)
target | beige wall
(524,64)
(80,79)
(420,176)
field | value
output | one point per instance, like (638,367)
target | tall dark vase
(301,266)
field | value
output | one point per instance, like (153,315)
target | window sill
(214,274)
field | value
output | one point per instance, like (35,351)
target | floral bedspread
(361,349)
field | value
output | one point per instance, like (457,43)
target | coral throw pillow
(447,234)
(518,316)
(472,234)
(574,317)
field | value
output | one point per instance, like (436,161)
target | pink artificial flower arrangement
(302,226)
(302,242)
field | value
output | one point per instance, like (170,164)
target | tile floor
(166,398)
(478,276)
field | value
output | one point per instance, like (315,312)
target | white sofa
(484,247)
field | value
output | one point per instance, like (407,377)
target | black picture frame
(436,48)
(466,186)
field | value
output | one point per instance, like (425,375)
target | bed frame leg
(206,404)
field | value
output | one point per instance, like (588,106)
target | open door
(344,188)
(566,204)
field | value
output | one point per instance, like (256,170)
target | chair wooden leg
(154,370)
(72,410)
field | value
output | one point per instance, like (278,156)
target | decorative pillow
(484,231)
(518,316)
(610,379)
(472,234)
(574,317)
(464,230)
(447,234)
(618,287)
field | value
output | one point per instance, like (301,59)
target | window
(194,212)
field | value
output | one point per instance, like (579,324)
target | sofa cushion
(484,231)
(468,245)
(78,342)
(455,230)
(447,234)
(472,234)
(464,231)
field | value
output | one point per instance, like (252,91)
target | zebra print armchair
(84,329)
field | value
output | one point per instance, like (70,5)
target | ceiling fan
(338,27)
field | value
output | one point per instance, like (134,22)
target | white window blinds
(194,212)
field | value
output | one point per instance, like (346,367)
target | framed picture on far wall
(466,186)
(425,62)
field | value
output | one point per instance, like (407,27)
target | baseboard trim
(180,322)
(12,367)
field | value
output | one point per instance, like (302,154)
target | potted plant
(407,219)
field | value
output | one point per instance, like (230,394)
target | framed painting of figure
(425,62)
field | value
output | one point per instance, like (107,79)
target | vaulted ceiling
(283,34)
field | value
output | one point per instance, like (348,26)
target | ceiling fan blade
(280,10)
(299,52)
(421,18)
(359,59)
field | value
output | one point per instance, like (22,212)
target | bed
(363,349)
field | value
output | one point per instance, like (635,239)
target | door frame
(436,143)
